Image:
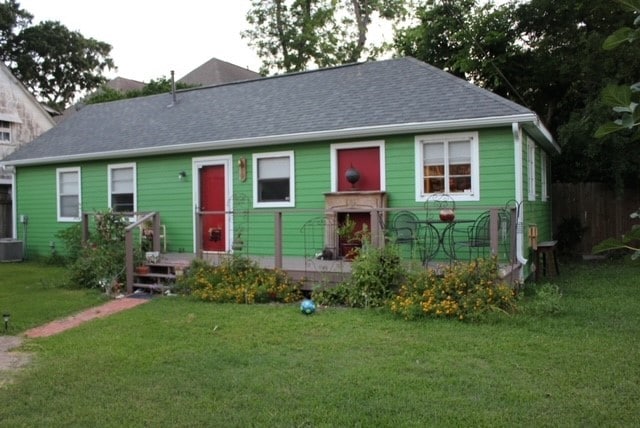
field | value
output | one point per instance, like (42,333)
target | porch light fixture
(182,175)
(242,169)
(6,317)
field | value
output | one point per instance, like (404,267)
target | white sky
(150,38)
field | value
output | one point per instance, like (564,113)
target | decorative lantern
(352,175)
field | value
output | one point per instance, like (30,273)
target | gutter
(529,119)
(519,187)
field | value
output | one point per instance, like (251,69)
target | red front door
(212,198)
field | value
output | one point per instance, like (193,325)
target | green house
(256,161)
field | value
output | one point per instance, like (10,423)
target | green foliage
(72,238)
(546,55)
(623,99)
(290,36)
(463,291)
(545,301)
(238,279)
(376,274)
(53,62)
(12,21)
(101,261)
(160,86)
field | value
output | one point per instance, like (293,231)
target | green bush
(100,262)
(238,280)
(376,274)
(72,238)
(545,301)
(463,291)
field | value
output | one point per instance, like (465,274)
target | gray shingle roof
(363,95)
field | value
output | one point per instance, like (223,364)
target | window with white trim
(543,177)
(68,193)
(5,131)
(274,179)
(122,188)
(448,163)
(531,168)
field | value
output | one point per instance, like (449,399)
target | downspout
(518,161)
(14,206)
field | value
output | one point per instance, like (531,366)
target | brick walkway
(102,311)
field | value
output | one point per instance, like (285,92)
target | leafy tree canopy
(293,35)
(56,64)
(546,55)
(624,99)
(159,86)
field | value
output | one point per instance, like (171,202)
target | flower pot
(349,250)
(447,214)
(142,270)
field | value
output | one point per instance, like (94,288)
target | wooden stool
(549,267)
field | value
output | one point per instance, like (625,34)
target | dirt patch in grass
(11,361)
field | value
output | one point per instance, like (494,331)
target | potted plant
(350,238)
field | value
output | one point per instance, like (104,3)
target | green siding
(159,189)
(536,212)
(497,169)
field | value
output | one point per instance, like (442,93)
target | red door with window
(213,198)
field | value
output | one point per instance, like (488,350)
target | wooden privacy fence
(598,211)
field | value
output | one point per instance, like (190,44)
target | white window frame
(132,165)
(359,145)
(5,129)
(292,180)
(59,194)
(531,168)
(544,191)
(473,138)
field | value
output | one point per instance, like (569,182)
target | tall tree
(56,64)
(546,55)
(293,35)
(12,20)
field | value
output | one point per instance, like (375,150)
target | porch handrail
(495,240)
(128,243)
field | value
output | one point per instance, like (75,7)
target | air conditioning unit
(10,250)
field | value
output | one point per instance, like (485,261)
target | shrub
(238,280)
(463,291)
(545,301)
(376,274)
(101,261)
(72,239)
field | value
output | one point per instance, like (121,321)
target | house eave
(529,120)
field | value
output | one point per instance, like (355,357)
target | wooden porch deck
(317,272)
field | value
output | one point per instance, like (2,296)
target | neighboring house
(212,72)
(22,119)
(124,85)
(284,143)
(216,72)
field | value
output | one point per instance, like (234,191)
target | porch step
(160,288)
(161,276)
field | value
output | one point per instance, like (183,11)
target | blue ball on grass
(307,307)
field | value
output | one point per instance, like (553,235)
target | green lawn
(176,362)
(31,293)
